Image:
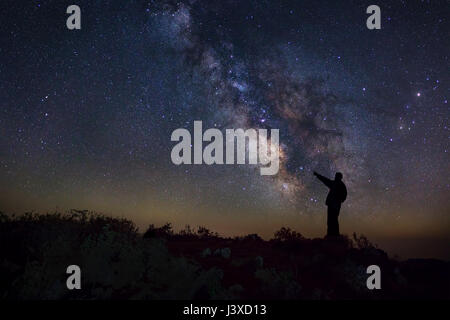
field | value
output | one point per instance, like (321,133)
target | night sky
(86,115)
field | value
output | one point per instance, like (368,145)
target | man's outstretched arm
(325,180)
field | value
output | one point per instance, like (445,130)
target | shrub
(204,232)
(161,232)
(115,262)
(286,234)
(278,285)
(362,242)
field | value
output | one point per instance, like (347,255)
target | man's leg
(329,221)
(333,224)
(337,221)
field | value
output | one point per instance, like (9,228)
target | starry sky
(86,115)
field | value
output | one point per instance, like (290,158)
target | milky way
(86,115)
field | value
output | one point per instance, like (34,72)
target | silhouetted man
(337,195)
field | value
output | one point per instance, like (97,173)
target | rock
(224,252)
(206,252)
(259,261)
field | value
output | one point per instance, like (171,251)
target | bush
(362,242)
(204,232)
(161,232)
(115,262)
(278,285)
(286,234)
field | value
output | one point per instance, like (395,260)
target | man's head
(338,176)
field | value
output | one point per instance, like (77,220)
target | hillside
(118,262)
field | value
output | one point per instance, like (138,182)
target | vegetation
(117,262)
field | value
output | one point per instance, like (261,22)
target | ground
(118,262)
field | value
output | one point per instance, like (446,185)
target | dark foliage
(119,263)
